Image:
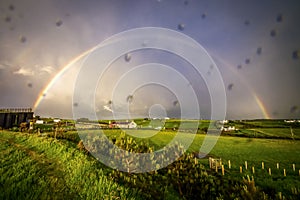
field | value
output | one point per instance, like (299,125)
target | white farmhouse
(125,124)
(229,128)
(39,121)
(56,120)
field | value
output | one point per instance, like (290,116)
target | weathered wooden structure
(10,117)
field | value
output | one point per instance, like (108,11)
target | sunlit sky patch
(255,45)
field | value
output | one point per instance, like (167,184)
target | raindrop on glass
(275,113)
(230,86)
(7,19)
(203,16)
(247,61)
(279,18)
(109,102)
(259,51)
(239,66)
(75,104)
(296,54)
(293,109)
(129,98)
(180,27)
(273,33)
(186,2)
(29,85)
(58,23)
(23,39)
(11,7)
(145,43)
(247,22)
(127,57)
(175,103)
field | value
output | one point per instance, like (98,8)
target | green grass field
(56,168)
(32,167)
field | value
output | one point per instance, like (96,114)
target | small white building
(124,124)
(39,121)
(56,120)
(224,121)
(229,128)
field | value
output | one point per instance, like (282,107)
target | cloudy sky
(254,44)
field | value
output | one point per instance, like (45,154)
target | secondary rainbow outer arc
(85,53)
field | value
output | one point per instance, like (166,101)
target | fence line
(216,164)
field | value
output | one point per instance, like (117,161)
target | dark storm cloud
(254,43)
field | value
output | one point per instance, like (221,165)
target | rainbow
(258,101)
(261,106)
(59,74)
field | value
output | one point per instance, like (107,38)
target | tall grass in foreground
(45,168)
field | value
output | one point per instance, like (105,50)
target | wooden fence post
(270,171)
(294,167)
(229,164)
(262,165)
(277,165)
(253,170)
(284,172)
(246,165)
(223,170)
(241,170)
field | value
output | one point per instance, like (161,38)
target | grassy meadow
(56,166)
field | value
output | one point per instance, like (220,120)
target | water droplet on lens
(23,39)
(145,43)
(279,18)
(293,109)
(259,50)
(58,23)
(239,66)
(11,7)
(247,61)
(296,54)
(186,2)
(29,85)
(75,104)
(273,33)
(7,19)
(230,86)
(247,22)
(275,113)
(175,103)
(180,27)
(109,102)
(203,16)
(129,98)
(44,94)
(127,57)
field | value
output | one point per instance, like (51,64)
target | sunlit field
(48,166)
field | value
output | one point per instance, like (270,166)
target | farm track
(49,168)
